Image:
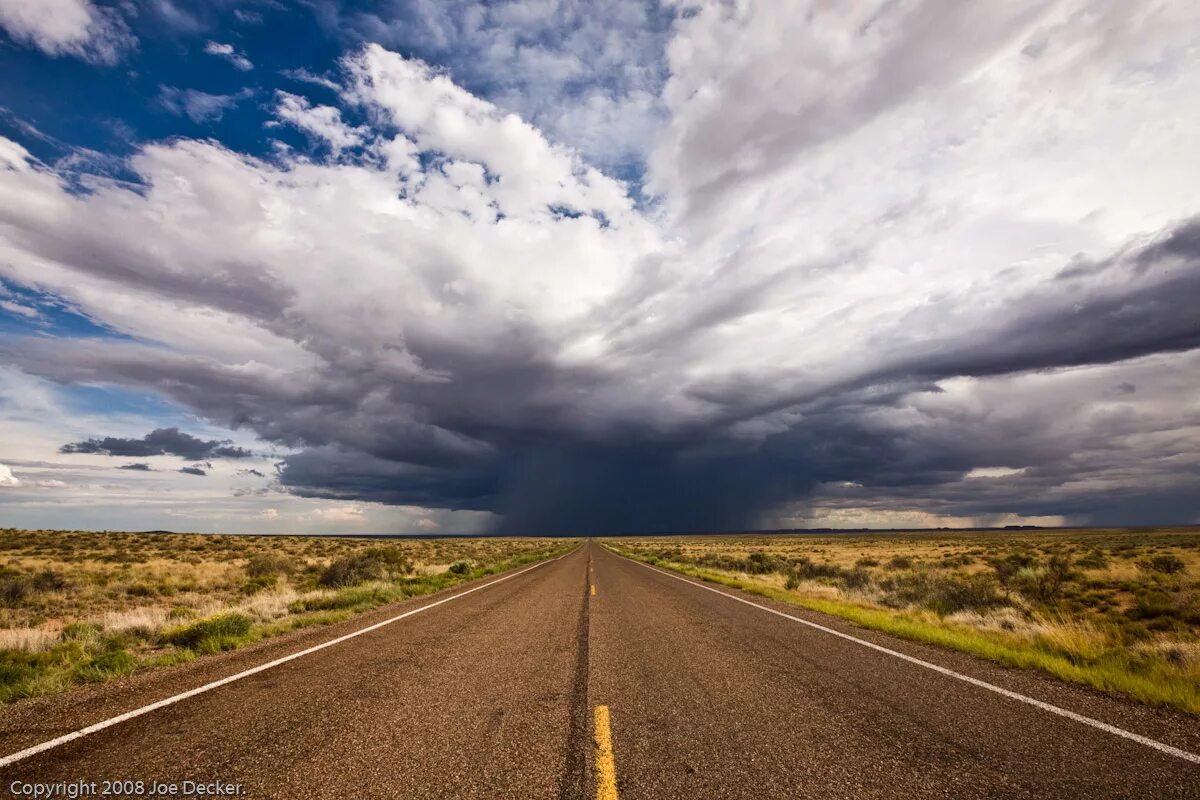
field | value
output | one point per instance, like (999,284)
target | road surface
(595,676)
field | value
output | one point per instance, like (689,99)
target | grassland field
(79,607)
(1118,610)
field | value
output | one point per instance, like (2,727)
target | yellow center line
(606,771)
(593,588)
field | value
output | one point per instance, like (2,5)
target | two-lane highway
(593,676)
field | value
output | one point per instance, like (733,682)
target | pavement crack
(573,783)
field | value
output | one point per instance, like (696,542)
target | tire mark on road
(573,785)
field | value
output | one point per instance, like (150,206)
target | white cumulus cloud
(67,27)
(7,479)
(230,54)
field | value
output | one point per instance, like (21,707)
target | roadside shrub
(221,632)
(1043,584)
(806,568)
(756,563)
(351,570)
(792,583)
(460,568)
(942,594)
(1164,563)
(1034,583)
(392,557)
(1007,568)
(760,563)
(855,578)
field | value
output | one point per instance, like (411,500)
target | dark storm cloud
(137,467)
(339,474)
(519,435)
(1124,307)
(192,471)
(1134,304)
(159,442)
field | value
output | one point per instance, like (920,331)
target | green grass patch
(212,635)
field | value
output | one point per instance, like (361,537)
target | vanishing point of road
(591,675)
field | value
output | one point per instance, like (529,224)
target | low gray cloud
(159,442)
(137,467)
(192,471)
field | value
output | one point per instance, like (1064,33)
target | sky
(598,266)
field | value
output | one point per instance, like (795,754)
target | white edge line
(991,687)
(137,712)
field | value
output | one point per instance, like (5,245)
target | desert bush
(268,565)
(943,594)
(867,562)
(49,580)
(1042,584)
(756,563)
(1164,563)
(761,563)
(899,562)
(1034,583)
(806,568)
(392,557)
(14,590)
(855,578)
(460,568)
(351,570)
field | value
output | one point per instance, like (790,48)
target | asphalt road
(494,694)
